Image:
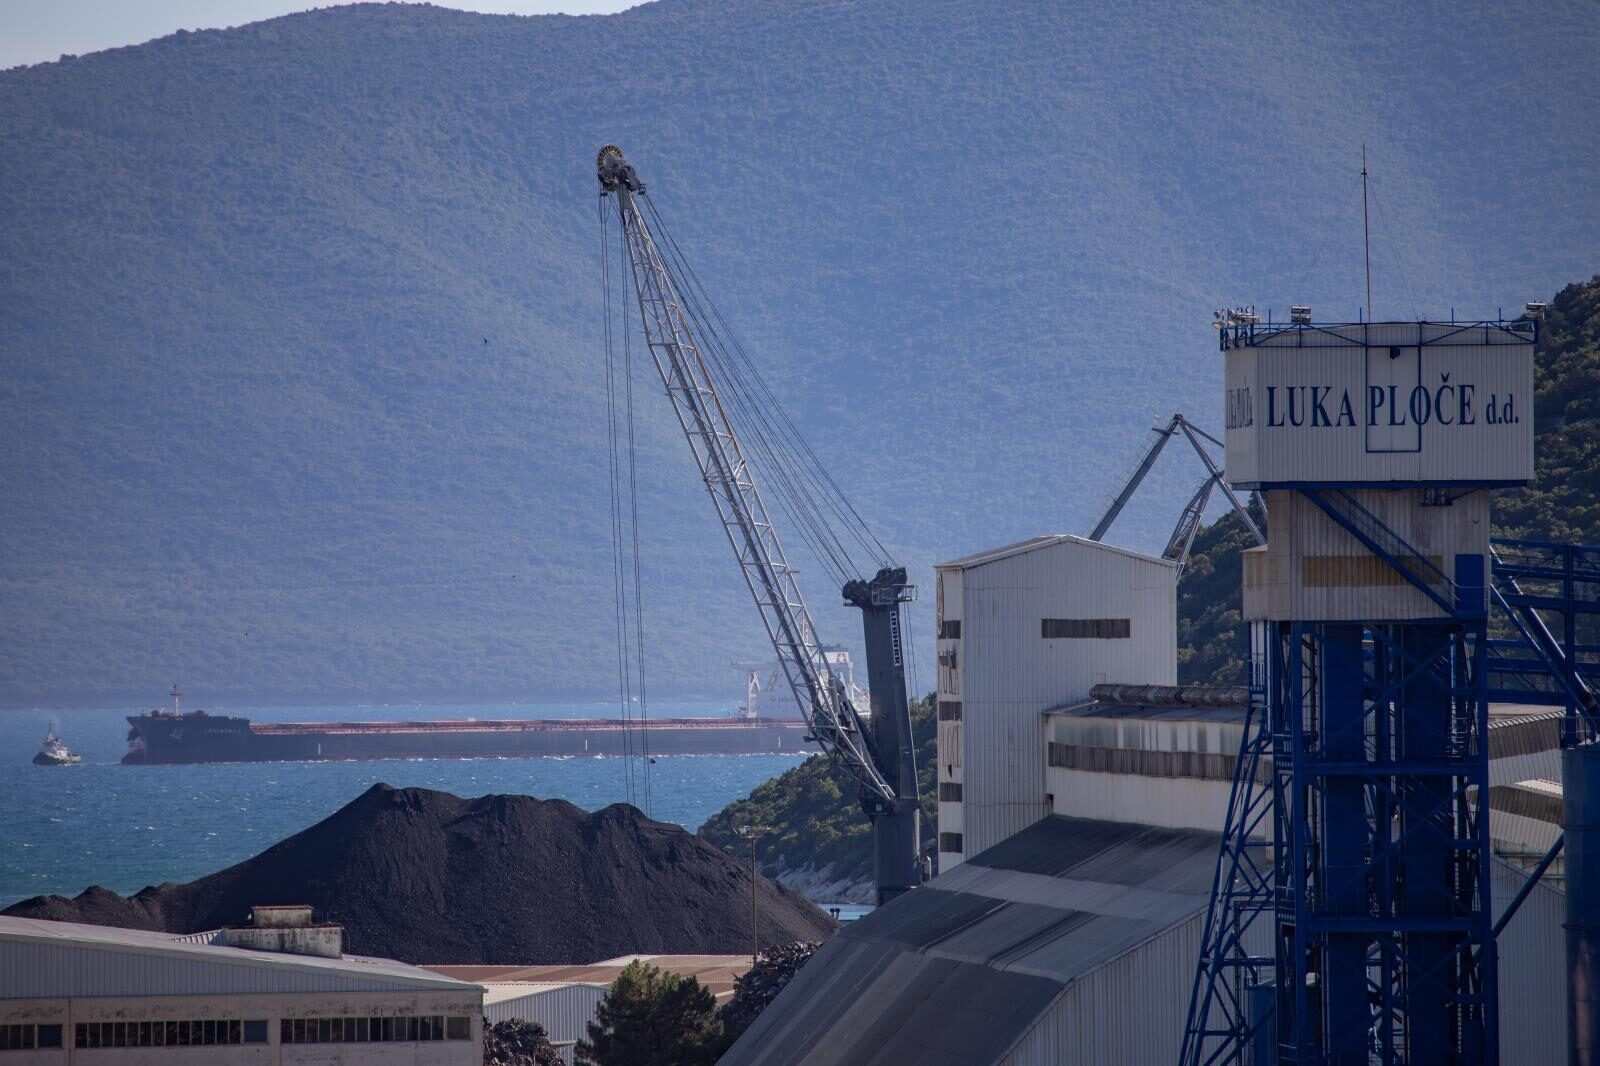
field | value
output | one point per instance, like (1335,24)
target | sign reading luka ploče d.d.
(1407,403)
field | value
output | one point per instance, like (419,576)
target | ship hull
(46,759)
(219,738)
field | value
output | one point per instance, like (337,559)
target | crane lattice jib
(729,480)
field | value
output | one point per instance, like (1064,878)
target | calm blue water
(63,829)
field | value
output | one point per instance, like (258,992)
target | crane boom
(878,755)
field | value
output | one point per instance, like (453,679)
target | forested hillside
(814,835)
(1563,503)
(302,392)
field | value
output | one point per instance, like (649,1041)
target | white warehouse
(1023,629)
(86,994)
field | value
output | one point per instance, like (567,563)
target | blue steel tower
(1351,921)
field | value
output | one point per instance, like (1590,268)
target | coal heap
(427,877)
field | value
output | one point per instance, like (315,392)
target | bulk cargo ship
(178,736)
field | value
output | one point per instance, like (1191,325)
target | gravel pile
(427,877)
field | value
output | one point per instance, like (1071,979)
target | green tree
(518,1043)
(760,985)
(1563,503)
(812,812)
(1213,645)
(653,1018)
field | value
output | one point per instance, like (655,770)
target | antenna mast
(1366,231)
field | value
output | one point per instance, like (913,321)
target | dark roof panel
(860,1003)
(960,970)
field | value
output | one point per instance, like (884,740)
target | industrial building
(1022,629)
(1334,859)
(1351,915)
(1367,758)
(92,994)
(563,999)
(1031,951)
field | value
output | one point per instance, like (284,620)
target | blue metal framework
(1537,583)
(1226,1014)
(1354,335)
(1385,951)
(1378,877)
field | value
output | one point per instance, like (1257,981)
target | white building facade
(85,994)
(1023,629)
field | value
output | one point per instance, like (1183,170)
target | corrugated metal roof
(44,959)
(716,972)
(1154,714)
(500,991)
(1005,551)
(960,970)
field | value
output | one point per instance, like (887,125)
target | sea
(65,828)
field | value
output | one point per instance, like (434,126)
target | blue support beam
(1377,850)
(1382,881)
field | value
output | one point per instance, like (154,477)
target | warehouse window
(255,1032)
(950,630)
(949,672)
(950,842)
(1085,628)
(16,1038)
(49,1036)
(949,791)
(202,1033)
(425,1027)
(949,710)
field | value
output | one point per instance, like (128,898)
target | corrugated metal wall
(1312,568)
(1533,980)
(1010,673)
(1177,803)
(1131,1011)
(564,1012)
(952,824)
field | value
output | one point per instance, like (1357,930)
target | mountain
(427,877)
(303,392)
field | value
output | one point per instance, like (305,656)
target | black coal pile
(428,877)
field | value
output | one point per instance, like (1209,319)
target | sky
(39,31)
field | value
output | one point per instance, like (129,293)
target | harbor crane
(687,343)
(1182,539)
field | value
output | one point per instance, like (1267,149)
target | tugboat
(54,752)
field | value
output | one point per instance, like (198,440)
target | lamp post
(751,833)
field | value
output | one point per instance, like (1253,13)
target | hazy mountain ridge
(256,438)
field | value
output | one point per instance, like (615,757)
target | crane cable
(772,422)
(638,581)
(816,506)
(619,550)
